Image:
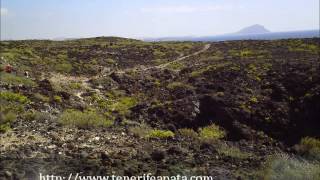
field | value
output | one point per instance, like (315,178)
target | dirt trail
(161,66)
(83,80)
(205,48)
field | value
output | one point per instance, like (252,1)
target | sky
(49,19)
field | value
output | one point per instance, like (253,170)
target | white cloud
(184,9)
(4,11)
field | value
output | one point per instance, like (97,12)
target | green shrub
(310,143)
(63,67)
(157,83)
(212,132)
(233,152)
(101,102)
(41,97)
(113,94)
(32,115)
(254,100)
(110,61)
(160,134)
(86,119)
(197,73)
(311,147)
(245,53)
(140,131)
(29,116)
(13,97)
(178,85)
(175,66)
(209,69)
(16,80)
(57,99)
(102,81)
(75,85)
(5,120)
(6,106)
(242,53)
(158,54)
(123,105)
(283,167)
(304,48)
(188,133)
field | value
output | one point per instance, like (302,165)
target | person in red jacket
(8,68)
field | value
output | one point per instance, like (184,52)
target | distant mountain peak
(254,29)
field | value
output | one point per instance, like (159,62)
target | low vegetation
(188,133)
(33,115)
(41,97)
(6,118)
(160,134)
(86,119)
(310,147)
(63,68)
(104,103)
(68,57)
(211,68)
(178,85)
(283,167)
(13,97)
(211,132)
(75,85)
(16,80)
(232,152)
(123,105)
(140,131)
(175,66)
(57,99)
(298,46)
(12,104)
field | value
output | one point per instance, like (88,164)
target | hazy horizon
(36,19)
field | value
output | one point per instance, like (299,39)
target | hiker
(8,68)
(26,74)
(100,71)
(101,68)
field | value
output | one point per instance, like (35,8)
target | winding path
(161,66)
(63,79)
(205,48)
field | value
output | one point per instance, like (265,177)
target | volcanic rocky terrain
(107,105)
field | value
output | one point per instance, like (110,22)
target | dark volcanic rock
(45,85)
(158,155)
